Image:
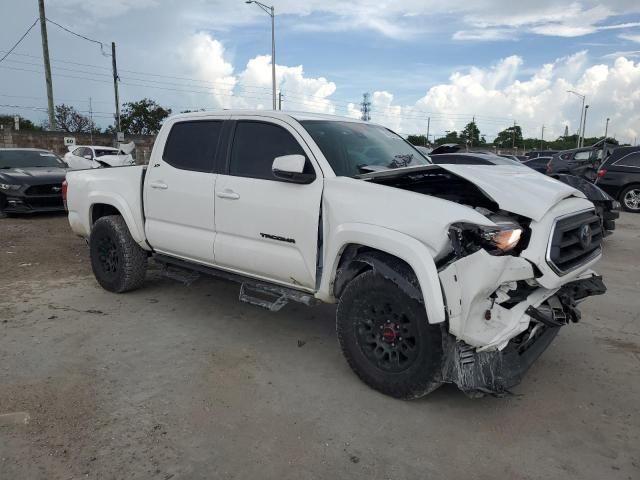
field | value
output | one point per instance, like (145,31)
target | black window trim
(232,134)
(214,160)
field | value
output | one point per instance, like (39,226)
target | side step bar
(262,294)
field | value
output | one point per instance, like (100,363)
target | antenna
(365,108)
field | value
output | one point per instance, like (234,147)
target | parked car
(540,153)
(607,209)
(619,176)
(539,164)
(82,157)
(30,181)
(442,273)
(582,162)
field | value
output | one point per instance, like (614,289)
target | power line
(80,36)
(20,40)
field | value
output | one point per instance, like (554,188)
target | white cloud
(630,37)
(204,58)
(497,96)
(485,34)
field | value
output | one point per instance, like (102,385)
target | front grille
(52,189)
(44,202)
(575,240)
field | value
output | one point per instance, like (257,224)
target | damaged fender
(475,315)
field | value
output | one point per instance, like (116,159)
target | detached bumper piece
(496,372)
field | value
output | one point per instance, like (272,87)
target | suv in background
(619,176)
(540,153)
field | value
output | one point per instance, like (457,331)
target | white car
(83,157)
(442,273)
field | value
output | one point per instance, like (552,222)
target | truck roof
(271,114)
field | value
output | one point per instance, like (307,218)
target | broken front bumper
(496,371)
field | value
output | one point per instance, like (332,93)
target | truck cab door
(179,190)
(267,227)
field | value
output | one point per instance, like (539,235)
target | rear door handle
(159,185)
(229,194)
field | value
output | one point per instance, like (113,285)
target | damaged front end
(502,310)
(496,371)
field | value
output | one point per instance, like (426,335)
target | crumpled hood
(516,189)
(33,176)
(116,160)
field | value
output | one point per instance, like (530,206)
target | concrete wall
(54,141)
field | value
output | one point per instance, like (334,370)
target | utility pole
(47,65)
(428,126)
(606,128)
(513,137)
(114,65)
(269,10)
(542,138)
(90,120)
(279,100)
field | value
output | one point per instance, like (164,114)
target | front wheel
(630,199)
(118,262)
(387,339)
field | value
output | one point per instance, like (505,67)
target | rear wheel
(630,199)
(118,262)
(387,339)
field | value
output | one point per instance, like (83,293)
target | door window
(193,145)
(582,155)
(256,144)
(631,160)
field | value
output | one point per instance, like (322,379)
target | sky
(421,61)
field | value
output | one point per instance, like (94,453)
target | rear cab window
(192,145)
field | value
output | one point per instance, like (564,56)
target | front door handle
(159,185)
(229,194)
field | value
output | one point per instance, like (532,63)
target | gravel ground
(177,381)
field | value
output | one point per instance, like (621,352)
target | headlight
(498,240)
(9,186)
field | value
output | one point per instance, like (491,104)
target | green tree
(508,136)
(471,135)
(68,119)
(25,124)
(143,117)
(419,140)
(450,137)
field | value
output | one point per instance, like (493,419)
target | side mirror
(290,168)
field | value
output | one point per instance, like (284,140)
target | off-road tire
(624,193)
(118,262)
(3,202)
(365,294)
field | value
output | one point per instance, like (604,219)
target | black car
(582,162)
(30,181)
(540,153)
(539,164)
(606,207)
(619,176)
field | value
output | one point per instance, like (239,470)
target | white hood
(516,188)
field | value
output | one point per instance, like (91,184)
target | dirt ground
(185,382)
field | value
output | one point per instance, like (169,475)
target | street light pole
(271,12)
(578,143)
(606,129)
(584,123)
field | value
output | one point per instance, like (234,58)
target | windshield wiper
(363,168)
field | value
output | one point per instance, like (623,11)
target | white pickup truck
(442,273)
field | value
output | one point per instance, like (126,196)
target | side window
(582,156)
(77,152)
(192,145)
(256,144)
(631,160)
